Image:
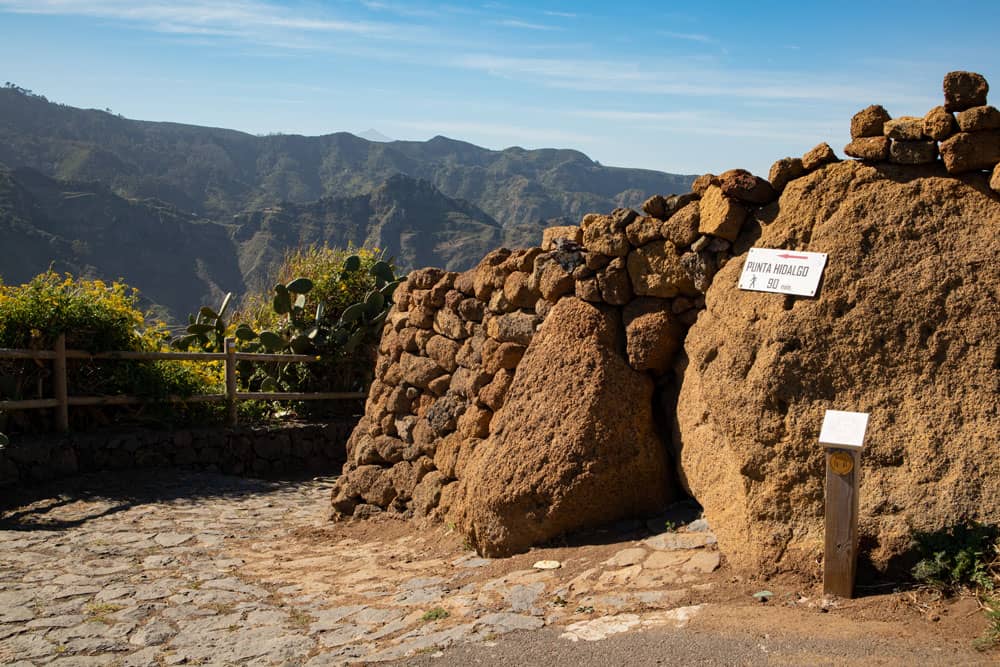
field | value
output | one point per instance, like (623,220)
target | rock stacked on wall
(965,131)
(462,364)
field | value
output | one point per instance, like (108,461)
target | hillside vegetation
(188,213)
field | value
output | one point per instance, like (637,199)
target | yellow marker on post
(843,435)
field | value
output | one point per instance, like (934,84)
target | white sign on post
(843,429)
(783,271)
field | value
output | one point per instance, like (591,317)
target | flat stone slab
(205,568)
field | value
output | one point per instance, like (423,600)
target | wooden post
(60,386)
(840,559)
(231,418)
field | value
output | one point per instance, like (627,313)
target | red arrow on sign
(787,256)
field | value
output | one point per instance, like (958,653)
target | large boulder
(565,451)
(905,327)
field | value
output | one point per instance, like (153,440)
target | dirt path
(167,568)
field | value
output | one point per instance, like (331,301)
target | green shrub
(964,558)
(324,283)
(97,317)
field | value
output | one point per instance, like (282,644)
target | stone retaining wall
(292,449)
(453,342)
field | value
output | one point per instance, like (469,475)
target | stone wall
(260,452)
(452,345)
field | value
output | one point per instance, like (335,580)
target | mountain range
(186,213)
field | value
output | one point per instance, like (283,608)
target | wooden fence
(62,401)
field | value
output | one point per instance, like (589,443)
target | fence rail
(62,401)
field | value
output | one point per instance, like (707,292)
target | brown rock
(553,280)
(570,233)
(448,323)
(677,202)
(517,292)
(784,170)
(439,385)
(869,122)
(719,215)
(656,207)
(978,118)
(910,297)
(643,230)
(389,449)
(422,279)
(446,454)
(419,371)
(499,303)
(470,354)
(475,422)
(428,493)
(372,484)
(501,355)
(493,394)
(614,283)
(970,151)
(653,334)
(588,290)
(742,185)
(565,452)
(522,259)
(443,350)
(421,317)
(602,237)
(655,270)
(491,273)
(471,310)
(517,327)
(872,149)
(818,156)
(913,152)
(466,282)
(905,128)
(939,124)
(682,227)
(964,90)
(408,339)
(466,382)
(995,179)
(703,182)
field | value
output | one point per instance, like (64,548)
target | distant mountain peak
(371,134)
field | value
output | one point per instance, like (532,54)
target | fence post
(231,418)
(60,386)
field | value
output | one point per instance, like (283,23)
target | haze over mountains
(186,213)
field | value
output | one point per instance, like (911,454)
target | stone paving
(165,568)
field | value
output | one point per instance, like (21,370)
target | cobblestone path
(164,568)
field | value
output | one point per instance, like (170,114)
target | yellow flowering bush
(96,316)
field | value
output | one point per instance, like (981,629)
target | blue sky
(685,88)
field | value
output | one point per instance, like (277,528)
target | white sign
(844,429)
(782,271)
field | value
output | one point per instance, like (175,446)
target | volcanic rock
(913,152)
(904,327)
(939,124)
(964,90)
(869,122)
(565,451)
(978,118)
(818,156)
(969,151)
(873,149)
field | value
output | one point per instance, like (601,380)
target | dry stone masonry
(530,396)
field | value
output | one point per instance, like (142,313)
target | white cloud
(246,19)
(525,25)
(689,36)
